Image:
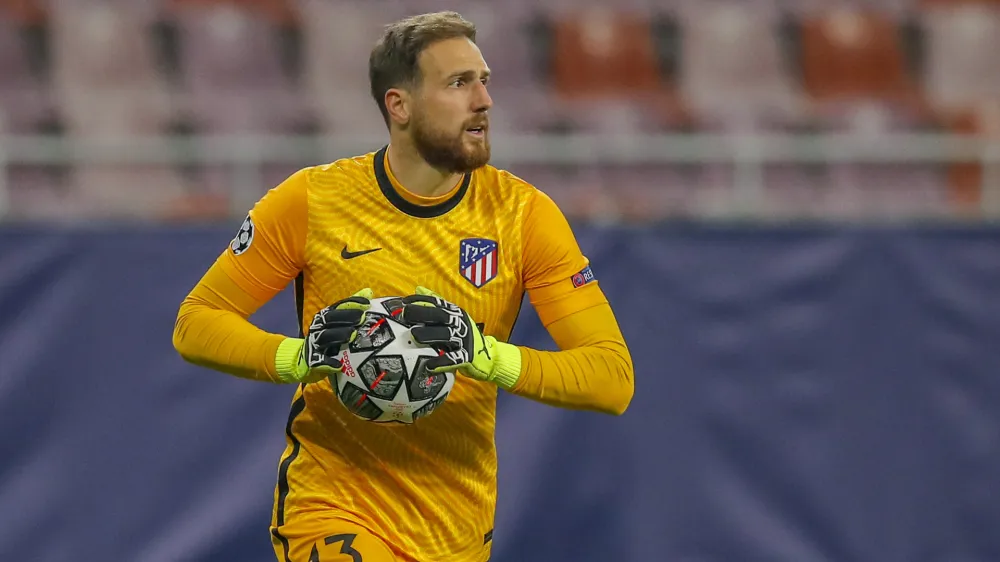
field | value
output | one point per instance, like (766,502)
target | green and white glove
(317,356)
(448,328)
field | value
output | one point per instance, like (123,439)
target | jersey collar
(412,209)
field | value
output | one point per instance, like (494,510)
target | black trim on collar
(419,211)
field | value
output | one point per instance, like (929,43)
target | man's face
(450,115)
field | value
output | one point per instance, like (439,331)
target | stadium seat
(25,11)
(510,42)
(966,179)
(601,52)
(957,3)
(93,68)
(232,80)
(463,7)
(962,66)
(33,191)
(962,84)
(104,70)
(107,84)
(100,47)
(847,54)
(896,10)
(278,12)
(25,101)
(514,44)
(338,37)
(606,70)
(232,77)
(732,61)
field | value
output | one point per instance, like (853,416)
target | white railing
(747,152)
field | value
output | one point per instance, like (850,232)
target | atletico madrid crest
(477,260)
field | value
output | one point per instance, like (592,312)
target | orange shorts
(329,540)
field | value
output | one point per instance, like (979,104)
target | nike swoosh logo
(347,255)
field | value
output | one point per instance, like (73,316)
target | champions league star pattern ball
(384,379)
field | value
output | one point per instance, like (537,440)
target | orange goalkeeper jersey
(429,489)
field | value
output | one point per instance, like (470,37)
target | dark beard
(448,154)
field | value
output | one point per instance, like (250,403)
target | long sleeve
(593,369)
(212,327)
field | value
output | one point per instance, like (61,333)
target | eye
(458,82)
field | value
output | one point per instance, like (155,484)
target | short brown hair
(393,60)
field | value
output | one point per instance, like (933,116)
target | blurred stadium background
(634,110)
(823,389)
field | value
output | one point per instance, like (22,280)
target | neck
(415,174)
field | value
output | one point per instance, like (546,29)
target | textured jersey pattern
(430,488)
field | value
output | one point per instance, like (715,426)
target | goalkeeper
(427,218)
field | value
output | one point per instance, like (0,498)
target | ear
(399,105)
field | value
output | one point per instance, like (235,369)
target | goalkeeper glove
(316,357)
(447,327)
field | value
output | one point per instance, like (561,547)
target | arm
(593,369)
(212,329)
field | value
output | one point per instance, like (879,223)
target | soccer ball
(384,379)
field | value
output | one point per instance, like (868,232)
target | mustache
(483,122)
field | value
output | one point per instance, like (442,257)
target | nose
(482,99)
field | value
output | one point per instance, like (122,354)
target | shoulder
(297,190)
(513,189)
(349,168)
(508,185)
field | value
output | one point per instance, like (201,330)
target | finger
(422,299)
(431,299)
(334,318)
(365,294)
(353,303)
(425,291)
(419,314)
(436,336)
(333,337)
(441,364)
(329,365)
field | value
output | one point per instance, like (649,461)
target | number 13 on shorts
(345,542)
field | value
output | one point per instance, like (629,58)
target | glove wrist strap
(507,368)
(286,359)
